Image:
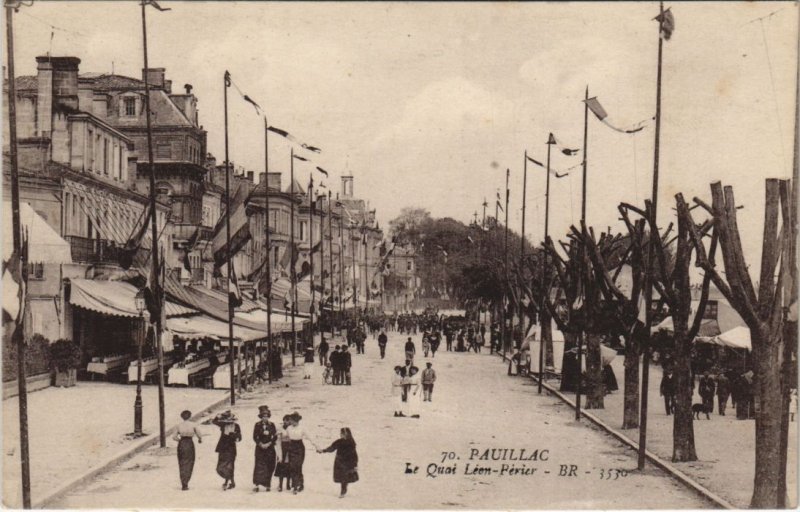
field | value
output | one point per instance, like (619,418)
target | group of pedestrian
(724,385)
(267,438)
(341,361)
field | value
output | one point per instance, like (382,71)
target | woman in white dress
(414,398)
(397,391)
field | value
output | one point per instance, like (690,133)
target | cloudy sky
(427,104)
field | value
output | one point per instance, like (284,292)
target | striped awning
(116,298)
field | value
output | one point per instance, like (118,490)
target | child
(326,375)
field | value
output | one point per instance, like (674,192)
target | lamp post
(137,404)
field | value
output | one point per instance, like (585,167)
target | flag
(133,244)
(500,206)
(153,294)
(250,100)
(598,110)
(189,247)
(240,229)
(552,171)
(301,158)
(15,284)
(234,293)
(288,136)
(323,171)
(532,160)
(565,150)
(155,4)
(311,148)
(667,23)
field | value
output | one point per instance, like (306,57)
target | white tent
(738,337)
(45,245)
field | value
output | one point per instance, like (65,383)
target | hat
(429,364)
(263,410)
(226,417)
(295,416)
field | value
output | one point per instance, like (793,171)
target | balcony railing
(93,250)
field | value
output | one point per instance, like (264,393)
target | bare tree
(764,313)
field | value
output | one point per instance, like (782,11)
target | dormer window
(130,106)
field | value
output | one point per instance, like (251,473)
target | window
(90,149)
(408,265)
(273,219)
(163,151)
(105,157)
(130,106)
(119,163)
(303,231)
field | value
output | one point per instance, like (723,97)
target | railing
(93,250)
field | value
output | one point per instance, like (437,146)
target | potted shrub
(65,357)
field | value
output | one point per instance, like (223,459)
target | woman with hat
(230,434)
(265,436)
(282,469)
(345,465)
(296,450)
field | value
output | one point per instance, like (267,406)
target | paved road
(476,408)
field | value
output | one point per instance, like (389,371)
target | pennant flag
(500,206)
(153,295)
(240,229)
(250,100)
(155,4)
(316,247)
(532,160)
(601,114)
(311,148)
(134,243)
(288,136)
(667,22)
(323,171)
(301,158)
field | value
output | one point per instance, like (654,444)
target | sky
(428,104)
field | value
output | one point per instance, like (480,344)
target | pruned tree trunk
(630,412)
(683,449)
(594,372)
(768,357)
(547,337)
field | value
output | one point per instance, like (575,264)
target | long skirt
(413,402)
(297,455)
(225,464)
(185,459)
(264,466)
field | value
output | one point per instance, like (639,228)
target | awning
(279,323)
(204,327)
(738,337)
(115,298)
(247,304)
(45,245)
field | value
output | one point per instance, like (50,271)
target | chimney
(168,86)
(154,76)
(261,177)
(64,83)
(274,180)
(347,186)
(188,88)
(44,99)
(250,176)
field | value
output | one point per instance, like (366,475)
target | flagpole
(341,266)
(228,244)
(355,289)
(650,255)
(505,267)
(330,254)
(545,291)
(292,259)
(583,223)
(157,286)
(267,251)
(311,251)
(321,267)
(483,222)
(18,335)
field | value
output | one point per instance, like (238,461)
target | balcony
(93,250)
(185,231)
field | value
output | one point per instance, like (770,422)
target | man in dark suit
(706,388)
(347,362)
(382,341)
(336,365)
(667,390)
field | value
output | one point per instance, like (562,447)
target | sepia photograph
(237,234)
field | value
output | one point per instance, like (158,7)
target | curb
(653,458)
(117,459)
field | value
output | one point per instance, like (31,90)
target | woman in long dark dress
(184,434)
(265,436)
(284,438)
(345,465)
(230,434)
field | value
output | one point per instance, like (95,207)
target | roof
(295,187)
(112,82)
(26,83)
(115,298)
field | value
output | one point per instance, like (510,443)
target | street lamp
(137,404)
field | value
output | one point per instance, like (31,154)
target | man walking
(336,365)
(667,390)
(428,378)
(323,351)
(448,336)
(382,341)
(411,350)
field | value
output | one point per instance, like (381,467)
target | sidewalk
(73,430)
(725,446)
